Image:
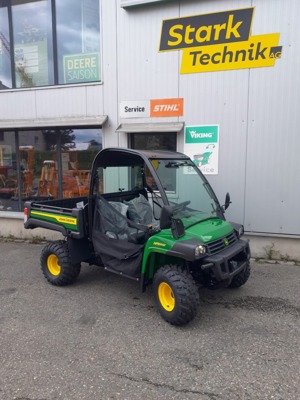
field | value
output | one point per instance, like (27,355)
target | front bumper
(229,262)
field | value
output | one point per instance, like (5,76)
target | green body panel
(209,230)
(205,231)
(68,222)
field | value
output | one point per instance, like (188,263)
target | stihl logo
(166,108)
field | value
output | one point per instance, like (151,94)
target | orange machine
(75,181)
(48,186)
(26,154)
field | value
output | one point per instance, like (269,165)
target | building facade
(218,80)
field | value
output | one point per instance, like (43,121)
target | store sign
(81,68)
(166,108)
(152,108)
(202,146)
(135,109)
(219,41)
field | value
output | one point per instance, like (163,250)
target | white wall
(256,109)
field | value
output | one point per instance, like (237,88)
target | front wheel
(241,278)
(176,294)
(56,264)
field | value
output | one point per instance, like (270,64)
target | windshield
(186,189)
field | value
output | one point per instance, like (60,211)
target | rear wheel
(241,278)
(176,294)
(56,264)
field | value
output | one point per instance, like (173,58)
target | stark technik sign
(219,41)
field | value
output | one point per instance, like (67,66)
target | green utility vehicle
(150,216)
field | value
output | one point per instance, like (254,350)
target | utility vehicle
(150,216)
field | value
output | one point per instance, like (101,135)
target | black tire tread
(69,271)
(187,295)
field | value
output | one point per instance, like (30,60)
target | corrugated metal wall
(272,179)
(256,109)
(54,102)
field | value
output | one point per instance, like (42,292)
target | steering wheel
(181,206)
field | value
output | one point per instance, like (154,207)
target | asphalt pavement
(101,338)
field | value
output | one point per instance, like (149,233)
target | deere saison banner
(219,41)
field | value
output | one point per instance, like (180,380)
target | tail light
(25,214)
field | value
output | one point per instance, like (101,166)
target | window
(119,179)
(5,49)
(33,47)
(49,42)
(154,141)
(54,163)
(78,150)
(8,173)
(78,43)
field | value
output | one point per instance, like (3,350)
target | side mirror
(177,228)
(167,221)
(166,217)
(227,201)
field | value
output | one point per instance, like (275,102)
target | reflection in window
(39,173)
(78,40)
(32,42)
(38,163)
(154,141)
(119,179)
(8,173)
(5,63)
(79,148)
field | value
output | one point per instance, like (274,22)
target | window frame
(55,61)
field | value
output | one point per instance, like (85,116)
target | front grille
(221,244)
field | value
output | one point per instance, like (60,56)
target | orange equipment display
(26,154)
(48,186)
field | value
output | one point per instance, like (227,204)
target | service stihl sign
(152,108)
(219,41)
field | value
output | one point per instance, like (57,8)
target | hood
(208,230)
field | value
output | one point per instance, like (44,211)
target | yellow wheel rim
(166,296)
(53,266)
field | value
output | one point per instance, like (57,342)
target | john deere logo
(226,242)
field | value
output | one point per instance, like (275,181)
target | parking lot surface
(101,338)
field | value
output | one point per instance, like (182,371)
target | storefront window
(8,172)
(153,141)
(49,42)
(53,163)
(38,163)
(33,47)
(78,41)
(5,55)
(77,158)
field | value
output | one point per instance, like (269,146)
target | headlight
(200,250)
(240,231)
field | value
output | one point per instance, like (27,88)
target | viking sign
(219,41)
